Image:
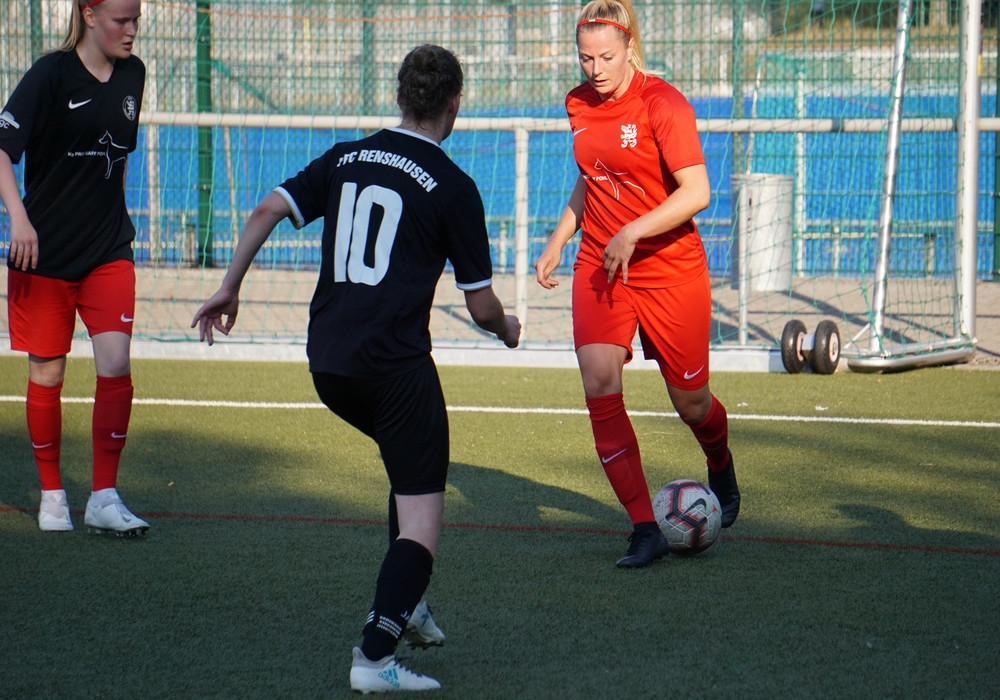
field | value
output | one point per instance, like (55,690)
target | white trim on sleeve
(473,286)
(296,216)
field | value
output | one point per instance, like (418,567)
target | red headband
(596,20)
(90,4)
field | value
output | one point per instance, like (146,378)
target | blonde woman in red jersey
(641,263)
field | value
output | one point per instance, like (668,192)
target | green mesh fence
(792,99)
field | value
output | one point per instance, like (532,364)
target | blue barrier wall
(843,176)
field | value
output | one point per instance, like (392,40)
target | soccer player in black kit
(395,208)
(74,117)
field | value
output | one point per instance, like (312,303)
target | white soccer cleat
(106,514)
(53,513)
(421,630)
(385,676)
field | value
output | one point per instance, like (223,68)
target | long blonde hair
(77,27)
(621,14)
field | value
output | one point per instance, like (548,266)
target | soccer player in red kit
(74,117)
(641,263)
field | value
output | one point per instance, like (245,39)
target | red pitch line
(865,545)
(544,528)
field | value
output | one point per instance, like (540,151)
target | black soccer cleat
(646,544)
(723,485)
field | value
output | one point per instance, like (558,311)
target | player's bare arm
(488,313)
(23,238)
(569,224)
(226,301)
(691,196)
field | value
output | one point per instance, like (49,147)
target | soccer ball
(688,514)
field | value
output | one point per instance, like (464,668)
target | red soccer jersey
(626,150)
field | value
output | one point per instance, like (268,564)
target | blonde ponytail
(77,28)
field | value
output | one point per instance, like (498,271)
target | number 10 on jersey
(353,219)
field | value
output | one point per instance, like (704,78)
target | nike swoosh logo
(41,447)
(116,436)
(77,105)
(126,319)
(579,131)
(605,460)
(692,375)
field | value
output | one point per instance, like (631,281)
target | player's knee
(601,379)
(47,372)
(692,406)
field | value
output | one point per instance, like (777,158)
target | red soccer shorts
(42,310)
(673,322)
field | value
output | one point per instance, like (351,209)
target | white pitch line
(747,416)
(551,411)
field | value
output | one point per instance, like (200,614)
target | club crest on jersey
(7,120)
(629,134)
(128,107)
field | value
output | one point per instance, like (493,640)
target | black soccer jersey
(76,133)
(395,208)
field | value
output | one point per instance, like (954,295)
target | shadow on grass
(881,527)
(242,588)
(495,498)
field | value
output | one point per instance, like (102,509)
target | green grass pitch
(865,562)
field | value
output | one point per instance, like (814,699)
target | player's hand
(23,246)
(512,333)
(617,254)
(209,317)
(546,263)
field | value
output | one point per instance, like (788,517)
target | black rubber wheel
(792,356)
(826,348)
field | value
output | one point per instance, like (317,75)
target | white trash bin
(762,209)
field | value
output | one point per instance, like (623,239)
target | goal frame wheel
(792,353)
(826,348)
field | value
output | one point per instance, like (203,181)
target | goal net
(793,99)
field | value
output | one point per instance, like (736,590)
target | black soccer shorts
(405,415)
